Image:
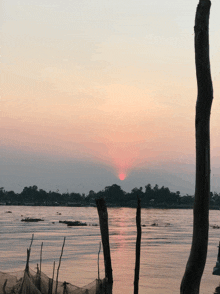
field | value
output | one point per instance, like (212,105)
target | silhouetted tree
(114,194)
(137,192)
(42,196)
(2,193)
(29,193)
(75,197)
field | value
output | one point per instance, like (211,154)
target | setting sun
(122,176)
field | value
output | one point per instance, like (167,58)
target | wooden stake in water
(59,264)
(138,247)
(3,288)
(41,255)
(197,258)
(53,273)
(40,265)
(50,290)
(98,259)
(103,220)
(28,254)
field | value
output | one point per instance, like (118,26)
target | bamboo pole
(50,288)
(58,268)
(53,273)
(40,265)
(28,255)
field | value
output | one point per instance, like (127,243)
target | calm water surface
(164,252)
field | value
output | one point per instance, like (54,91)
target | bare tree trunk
(138,247)
(197,259)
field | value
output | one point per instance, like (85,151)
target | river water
(164,248)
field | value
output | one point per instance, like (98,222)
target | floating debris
(154,224)
(30,219)
(215,227)
(9,211)
(73,223)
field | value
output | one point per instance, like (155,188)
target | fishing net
(30,282)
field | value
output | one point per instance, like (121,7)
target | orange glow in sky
(108,97)
(122,176)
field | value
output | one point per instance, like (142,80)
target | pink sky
(108,83)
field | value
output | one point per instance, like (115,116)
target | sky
(97,92)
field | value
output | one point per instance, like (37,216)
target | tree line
(114,196)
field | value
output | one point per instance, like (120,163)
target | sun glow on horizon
(122,176)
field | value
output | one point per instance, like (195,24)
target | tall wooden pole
(197,259)
(138,247)
(103,221)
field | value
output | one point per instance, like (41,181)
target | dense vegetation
(114,196)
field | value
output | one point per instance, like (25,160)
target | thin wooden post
(28,255)
(138,246)
(41,249)
(3,288)
(98,260)
(58,268)
(50,290)
(103,221)
(40,265)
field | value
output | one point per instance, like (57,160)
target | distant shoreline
(110,206)
(151,198)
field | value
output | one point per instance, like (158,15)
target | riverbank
(133,205)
